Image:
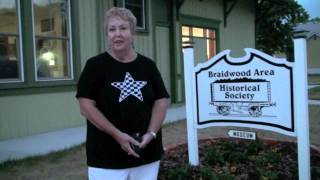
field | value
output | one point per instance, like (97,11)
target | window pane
(185,39)
(185,31)
(52,60)
(8,58)
(9,42)
(52,40)
(211,48)
(211,34)
(50,17)
(137,8)
(197,32)
(8,16)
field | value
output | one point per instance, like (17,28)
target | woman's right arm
(89,110)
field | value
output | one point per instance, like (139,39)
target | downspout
(173,56)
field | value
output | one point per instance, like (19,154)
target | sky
(311,6)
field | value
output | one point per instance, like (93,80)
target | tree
(315,20)
(275,22)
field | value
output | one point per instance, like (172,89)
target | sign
(252,91)
(242,134)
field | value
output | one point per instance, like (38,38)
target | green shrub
(259,160)
(179,173)
(255,147)
(235,157)
(226,176)
(229,161)
(214,156)
(266,174)
(207,173)
(315,172)
(273,157)
(228,145)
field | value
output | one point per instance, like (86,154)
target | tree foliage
(315,20)
(275,22)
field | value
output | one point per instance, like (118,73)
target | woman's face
(119,34)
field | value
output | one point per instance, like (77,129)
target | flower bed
(236,159)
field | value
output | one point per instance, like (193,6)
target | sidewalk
(42,144)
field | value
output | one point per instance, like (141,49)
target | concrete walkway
(42,144)
(314,102)
(313,86)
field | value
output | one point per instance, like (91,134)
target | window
(40,52)
(201,35)
(52,40)
(137,7)
(10,42)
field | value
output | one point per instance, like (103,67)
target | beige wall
(207,9)
(313,47)
(32,114)
(163,54)
(240,30)
(90,22)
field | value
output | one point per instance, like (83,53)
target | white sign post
(301,107)
(256,91)
(189,91)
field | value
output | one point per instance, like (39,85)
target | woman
(123,98)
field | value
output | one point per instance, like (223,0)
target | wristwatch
(153,134)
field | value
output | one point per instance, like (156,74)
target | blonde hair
(124,14)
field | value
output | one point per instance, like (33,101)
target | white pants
(144,172)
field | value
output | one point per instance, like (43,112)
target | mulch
(286,168)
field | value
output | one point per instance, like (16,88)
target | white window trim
(69,50)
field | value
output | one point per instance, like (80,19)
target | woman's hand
(146,139)
(125,140)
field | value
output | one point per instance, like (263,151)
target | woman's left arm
(159,110)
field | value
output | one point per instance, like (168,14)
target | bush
(266,174)
(315,171)
(255,147)
(179,173)
(214,156)
(237,159)
(207,173)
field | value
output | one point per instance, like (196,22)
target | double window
(204,38)
(35,41)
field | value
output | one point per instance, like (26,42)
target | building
(313,45)
(44,44)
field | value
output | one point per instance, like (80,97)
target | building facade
(312,32)
(44,44)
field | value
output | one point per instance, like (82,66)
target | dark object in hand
(136,148)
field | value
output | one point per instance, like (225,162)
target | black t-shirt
(124,93)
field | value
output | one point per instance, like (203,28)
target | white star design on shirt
(129,87)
